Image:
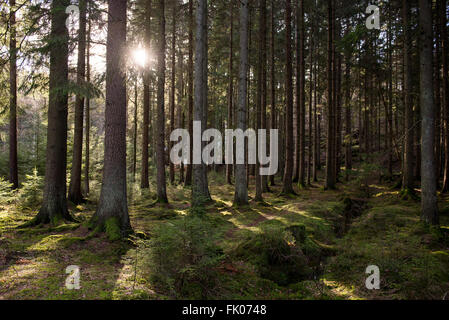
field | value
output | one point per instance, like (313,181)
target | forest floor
(380,230)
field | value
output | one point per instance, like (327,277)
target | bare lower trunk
(287,187)
(429,202)
(241,186)
(112,213)
(75,194)
(144,180)
(408,177)
(54,207)
(160,125)
(200,189)
(13,167)
(189,173)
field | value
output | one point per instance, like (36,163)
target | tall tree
(287,187)
(301,94)
(311,82)
(112,213)
(229,167)
(429,200)
(173,85)
(13,167)
(330,177)
(87,115)
(54,206)
(408,176)
(75,194)
(348,120)
(445,58)
(160,125)
(189,169)
(241,186)
(272,79)
(135,127)
(437,88)
(261,89)
(200,188)
(144,180)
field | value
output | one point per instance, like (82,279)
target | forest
(224,150)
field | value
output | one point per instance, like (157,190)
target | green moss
(112,229)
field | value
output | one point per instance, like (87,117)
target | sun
(140,57)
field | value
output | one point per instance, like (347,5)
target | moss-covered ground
(413,259)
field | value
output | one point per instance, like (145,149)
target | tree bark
(408,176)
(13,166)
(112,213)
(189,168)
(287,187)
(87,117)
(200,189)
(301,95)
(160,125)
(272,80)
(144,179)
(75,194)
(330,177)
(172,92)
(54,207)
(229,167)
(241,185)
(437,88)
(429,201)
(261,90)
(444,47)
(136,104)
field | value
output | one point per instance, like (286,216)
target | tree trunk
(172,92)
(200,189)
(112,213)
(444,47)
(136,103)
(408,177)
(144,179)
(13,167)
(160,125)
(87,117)
(241,185)
(309,146)
(437,88)
(287,187)
(229,167)
(330,178)
(301,95)
(272,80)
(348,120)
(429,201)
(75,194)
(261,90)
(54,207)
(189,169)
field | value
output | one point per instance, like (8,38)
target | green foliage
(6,192)
(183,257)
(30,194)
